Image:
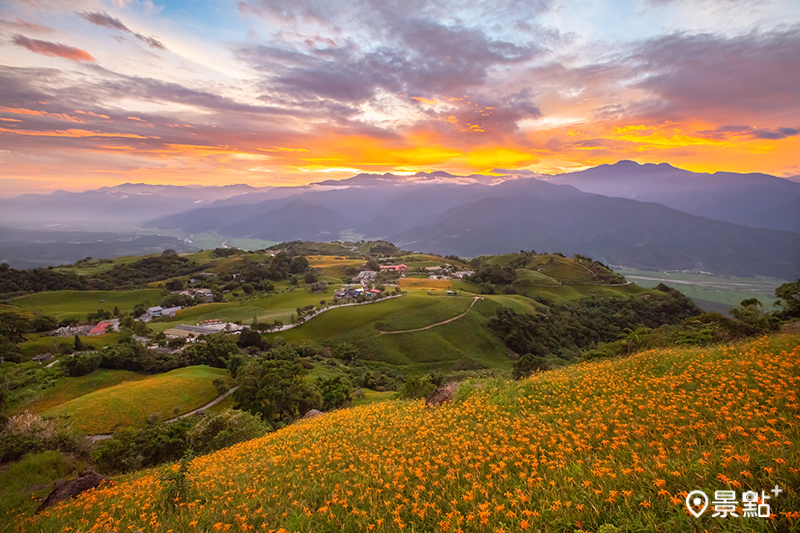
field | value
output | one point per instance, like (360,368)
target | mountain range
(643,216)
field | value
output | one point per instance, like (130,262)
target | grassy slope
(438,347)
(77,304)
(616,442)
(129,404)
(70,388)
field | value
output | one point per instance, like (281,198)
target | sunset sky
(279,92)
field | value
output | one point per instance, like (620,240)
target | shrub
(417,387)
(224,429)
(81,364)
(31,433)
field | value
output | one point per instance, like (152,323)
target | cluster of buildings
(355,292)
(206,327)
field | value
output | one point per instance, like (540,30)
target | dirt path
(96,438)
(438,323)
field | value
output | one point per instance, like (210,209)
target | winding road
(438,323)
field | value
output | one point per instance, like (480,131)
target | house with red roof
(394,268)
(100,328)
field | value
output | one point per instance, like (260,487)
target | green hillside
(77,304)
(129,404)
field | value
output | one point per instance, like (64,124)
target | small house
(394,268)
(154,312)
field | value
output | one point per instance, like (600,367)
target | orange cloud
(53,49)
(36,113)
(73,133)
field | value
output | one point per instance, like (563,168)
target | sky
(96,93)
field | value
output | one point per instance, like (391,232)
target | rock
(312,414)
(66,489)
(443,394)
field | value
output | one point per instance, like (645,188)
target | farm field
(77,304)
(727,290)
(129,404)
(425,283)
(71,388)
(606,446)
(333,266)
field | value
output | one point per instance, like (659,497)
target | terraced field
(567,271)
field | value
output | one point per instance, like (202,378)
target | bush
(224,429)
(335,392)
(486,288)
(81,364)
(417,387)
(135,448)
(31,433)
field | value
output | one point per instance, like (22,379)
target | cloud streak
(107,21)
(53,49)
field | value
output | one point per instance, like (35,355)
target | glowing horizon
(214,92)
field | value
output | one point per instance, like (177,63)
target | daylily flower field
(614,443)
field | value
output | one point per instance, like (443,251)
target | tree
(276,389)
(335,392)
(13,326)
(346,352)
(486,288)
(251,337)
(174,285)
(44,323)
(789,294)
(78,346)
(373,265)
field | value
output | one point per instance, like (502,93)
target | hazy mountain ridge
(755,200)
(517,214)
(644,216)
